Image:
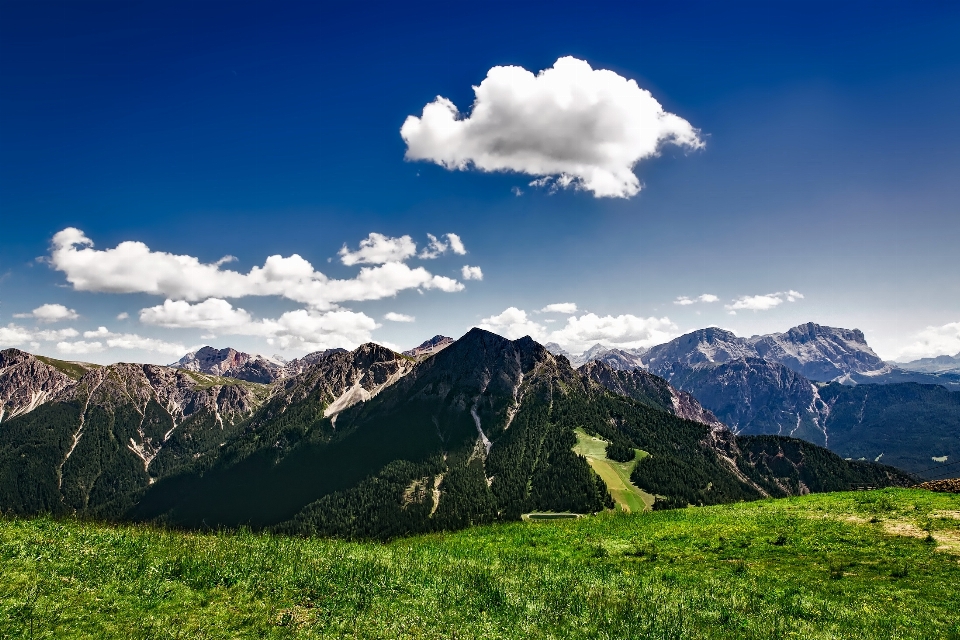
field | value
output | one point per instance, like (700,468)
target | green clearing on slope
(877,564)
(616,475)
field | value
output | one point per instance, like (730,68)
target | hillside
(92,446)
(817,567)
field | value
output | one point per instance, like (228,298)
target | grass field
(616,474)
(881,564)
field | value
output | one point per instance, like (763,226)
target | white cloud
(570,125)
(211,314)
(120,341)
(123,316)
(625,330)
(79,348)
(763,302)
(471,273)
(706,297)
(398,317)
(302,328)
(50,313)
(560,307)
(378,248)
(512,323)
(581,332)
(437,247)
(16,335)
(12,335)
(932,342)
(132,267)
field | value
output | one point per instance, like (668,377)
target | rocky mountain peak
(26,381)
(429,347)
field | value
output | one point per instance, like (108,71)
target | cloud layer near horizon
(582,332)
(569,126)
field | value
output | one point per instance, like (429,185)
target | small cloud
(471,273)
(706,297)
(437,246)
(50,313)
(560,307)
(517,191)
(377,248)
(79,347)
(123,316)
(764,302)
(398,317)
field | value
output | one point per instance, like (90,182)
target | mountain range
(822,384)
(376,443)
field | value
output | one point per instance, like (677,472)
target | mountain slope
(650,390)
(92,447)
(429,347)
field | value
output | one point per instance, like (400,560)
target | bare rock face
(429,347)
(26,382)
(230,363)
(818,352)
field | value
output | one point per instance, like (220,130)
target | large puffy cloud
(50,313)
(571,124)
(581,332)
(932,342)
(763,302)
(132,267)
(302,328)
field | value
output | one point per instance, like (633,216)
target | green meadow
(616,475)
(878,564)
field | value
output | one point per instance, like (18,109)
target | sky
(286,177)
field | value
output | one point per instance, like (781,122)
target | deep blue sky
(213,128)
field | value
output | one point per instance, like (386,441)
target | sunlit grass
(824,566)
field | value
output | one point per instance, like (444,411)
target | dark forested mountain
(99,440)
(372,443)
(650,390)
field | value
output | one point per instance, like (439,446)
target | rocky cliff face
(429,347)
(755,396)
(818,352)
(26,382)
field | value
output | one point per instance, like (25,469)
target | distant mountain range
(940,364)
(822,384)
(375,443)
(231,363)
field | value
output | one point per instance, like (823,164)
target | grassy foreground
(880,564)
